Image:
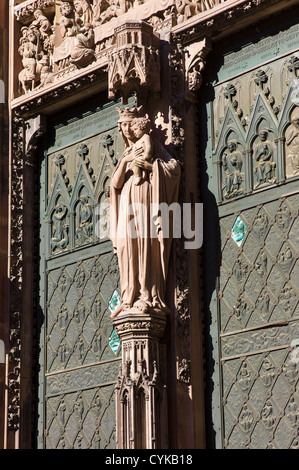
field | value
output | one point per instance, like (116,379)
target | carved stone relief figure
(184,371)
(83,53)
(79,409)
(267,372)
(104,11)
(103,223)
(142,257)
(240,270)
(83,13)
(292,147)
(63,317)
(240,308)
(61,411)
(42,23)
(186,9)
(267,414)
(283,217)
(263,303)
(232,166)
(195,55)
(35,47)
(60,239)
(80,278)
(46,75)
(84,229)
(246,418)
(293,413)
(67,23)
(244,378)
(264,169)
(75,27)
(143,147)
(99,8)
(260,225)
(261,264)
(29,50)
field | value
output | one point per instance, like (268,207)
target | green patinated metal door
(251,204)
(79,281)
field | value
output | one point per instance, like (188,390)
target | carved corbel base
(140,392)
(195,55)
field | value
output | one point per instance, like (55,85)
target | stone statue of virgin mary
(143,254)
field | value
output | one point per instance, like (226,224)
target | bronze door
(251,270)
(79,281)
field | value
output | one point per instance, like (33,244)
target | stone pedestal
(140,391)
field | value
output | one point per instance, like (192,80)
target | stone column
(4,190)
(23,274)
(141,392)
(187,63)
(140,321)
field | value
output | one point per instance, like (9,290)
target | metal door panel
(79,351)
(253,302)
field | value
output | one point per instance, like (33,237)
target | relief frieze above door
(56,40)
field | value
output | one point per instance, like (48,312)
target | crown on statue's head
(128,114)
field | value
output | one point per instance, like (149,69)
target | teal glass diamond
(115,301)
(114,342)
(238,231)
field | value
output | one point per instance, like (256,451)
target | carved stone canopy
(195,63)
(134,67)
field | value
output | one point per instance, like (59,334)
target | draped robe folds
(143,259)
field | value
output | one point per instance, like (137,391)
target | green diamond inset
(115,301)
(114,342)
(238,231)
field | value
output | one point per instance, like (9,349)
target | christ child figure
(143,147)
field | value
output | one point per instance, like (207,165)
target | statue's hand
(128,157)
(143,164)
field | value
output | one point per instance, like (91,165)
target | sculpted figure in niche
(30,52)
(143,256)
(60,237)
(42,23)
(186,9)
(292,143)
(45,73)
(83,53)
(67,23)
(99,7)
(263,155)
(85,228)
(35,46)
(115,9)
(232,165)
(83,13)
(76,29)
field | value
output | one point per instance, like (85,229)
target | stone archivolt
(56,39)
